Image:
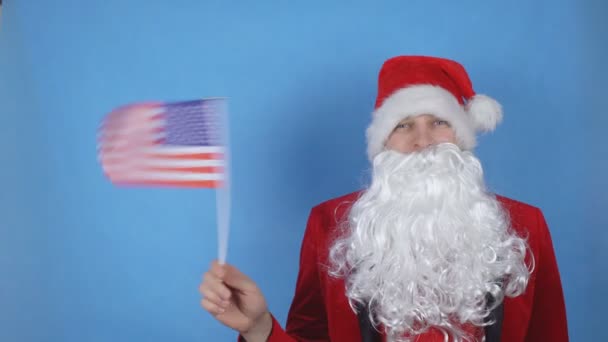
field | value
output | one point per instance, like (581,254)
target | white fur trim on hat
(418,100)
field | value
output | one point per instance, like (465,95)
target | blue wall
(84,261)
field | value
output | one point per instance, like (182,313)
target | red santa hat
(416,85)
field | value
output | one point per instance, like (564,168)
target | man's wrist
(261,329)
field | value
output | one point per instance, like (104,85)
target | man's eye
(442,123)
(403,125)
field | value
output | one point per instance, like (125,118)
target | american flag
(164,144)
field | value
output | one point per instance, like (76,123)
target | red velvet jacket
(320,309)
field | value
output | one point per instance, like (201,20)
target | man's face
(419,132)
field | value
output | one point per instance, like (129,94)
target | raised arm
(237,302)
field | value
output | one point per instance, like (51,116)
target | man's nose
(423,138)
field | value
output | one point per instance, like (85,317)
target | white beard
(426,243)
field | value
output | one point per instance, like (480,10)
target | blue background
(81,260)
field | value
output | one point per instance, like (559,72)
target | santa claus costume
(426,252)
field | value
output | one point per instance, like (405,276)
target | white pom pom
(485,112)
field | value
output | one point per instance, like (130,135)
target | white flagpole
(222,194)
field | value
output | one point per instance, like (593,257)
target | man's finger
(217,269)
(217,294)
(216,285)
(238,280)
(211,307)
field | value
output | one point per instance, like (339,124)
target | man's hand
(236,301)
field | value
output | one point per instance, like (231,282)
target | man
(425,253)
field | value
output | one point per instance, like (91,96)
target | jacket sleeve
(307,319)
(548,320)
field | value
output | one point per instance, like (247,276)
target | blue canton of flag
(165,144)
